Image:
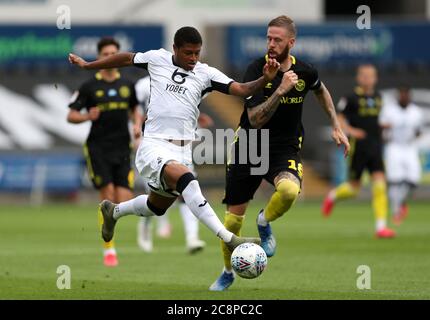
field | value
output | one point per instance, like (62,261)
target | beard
(283,55)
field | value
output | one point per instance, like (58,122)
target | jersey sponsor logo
(176,88)
(124,92)
(109,106)
(291,100)
(100,93)
(301,84)
(179,77)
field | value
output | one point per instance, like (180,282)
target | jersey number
(296,167)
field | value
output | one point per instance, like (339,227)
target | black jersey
(286,124)
(362,112)
(115,100)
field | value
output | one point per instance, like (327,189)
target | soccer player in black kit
(358,114)
(110,101)
(278,108)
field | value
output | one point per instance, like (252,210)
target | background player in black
(110,101)
(278,107)
(358,114)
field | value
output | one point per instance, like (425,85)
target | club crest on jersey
(179,77)
(124,92)
(301,84)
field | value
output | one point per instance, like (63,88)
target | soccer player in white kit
(178,84)
(191,224)
(402,123)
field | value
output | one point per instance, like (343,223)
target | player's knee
(288,190)
(184,181)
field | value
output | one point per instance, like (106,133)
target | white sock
(395,193)
(136,206)
(202,210)
(381,224)
(145,228)
(261,219)
(109,251)
(191,224)
(163,221)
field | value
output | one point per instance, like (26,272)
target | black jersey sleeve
(253,72)
(80,99)
(314,80)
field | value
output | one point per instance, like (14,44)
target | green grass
(316,259)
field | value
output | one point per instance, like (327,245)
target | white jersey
(176,94)
(404,123)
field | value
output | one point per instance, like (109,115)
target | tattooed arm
(261,114)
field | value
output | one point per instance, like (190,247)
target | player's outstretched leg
(281,201)
(343,191)
(233,223)
(111,212)
(189,187)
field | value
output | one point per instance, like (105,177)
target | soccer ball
(248,260)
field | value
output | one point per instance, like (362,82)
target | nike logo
(203,204)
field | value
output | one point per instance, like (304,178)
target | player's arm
(122,59)
(262,113)
(79,101)
(354,132)
(326,102)
(249,88)
(137,119)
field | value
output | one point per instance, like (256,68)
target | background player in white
(178,83)
(402,121)
(191,224)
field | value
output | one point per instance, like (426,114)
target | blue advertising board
(52,172)
(337,43)
(49,45)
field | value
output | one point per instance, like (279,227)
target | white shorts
(153,154)
(402,163)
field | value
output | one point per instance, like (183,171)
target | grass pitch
(316,258)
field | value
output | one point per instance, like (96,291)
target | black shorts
(241,184)
(364,155)
(109,167)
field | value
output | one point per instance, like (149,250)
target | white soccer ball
(248,260)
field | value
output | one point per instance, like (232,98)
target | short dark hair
(366,65)
(107,41)
(284,22)
(187,35)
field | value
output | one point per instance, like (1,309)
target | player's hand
(93,113)
(270,69)
(358,134)
(289,80)
(75,59)
(340,138)
(205,121)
